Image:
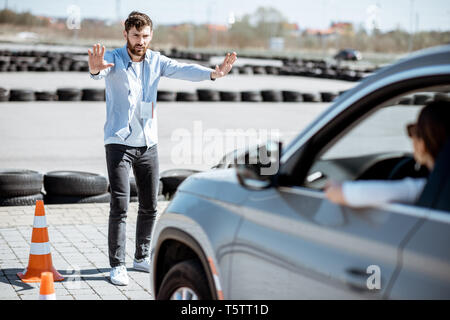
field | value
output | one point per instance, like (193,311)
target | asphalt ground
(46,136)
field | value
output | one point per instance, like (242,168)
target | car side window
(373,148)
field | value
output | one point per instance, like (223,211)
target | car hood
(220,184)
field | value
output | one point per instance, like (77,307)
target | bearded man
(132,74)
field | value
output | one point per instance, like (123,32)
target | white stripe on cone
(40,248)
(39,222)
(51,296)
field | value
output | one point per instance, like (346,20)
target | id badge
(147,110)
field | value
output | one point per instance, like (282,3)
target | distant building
(336,28)
(292,29)
(217,27)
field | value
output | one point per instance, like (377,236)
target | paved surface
(78,238)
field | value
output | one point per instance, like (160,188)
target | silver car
(237,233)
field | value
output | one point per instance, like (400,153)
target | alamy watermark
(73,21)
(374,280)
(73,280)
(201,146)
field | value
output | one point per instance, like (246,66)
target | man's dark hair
(138,20)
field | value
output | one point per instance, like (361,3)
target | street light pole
(411,18)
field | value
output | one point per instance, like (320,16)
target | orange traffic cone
(47,290)
(40,257)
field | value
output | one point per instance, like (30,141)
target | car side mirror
(259,166)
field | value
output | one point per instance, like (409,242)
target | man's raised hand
(96,61)
(225,67)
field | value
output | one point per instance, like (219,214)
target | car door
(295,244)
(425,261)
(424,271)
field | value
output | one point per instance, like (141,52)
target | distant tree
(242,32)
(23,19)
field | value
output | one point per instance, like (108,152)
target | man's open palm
(96,59)
(225,67)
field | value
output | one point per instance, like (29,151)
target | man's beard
(134,50)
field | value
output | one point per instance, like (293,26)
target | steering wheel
(407,167)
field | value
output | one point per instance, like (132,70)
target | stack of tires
(24,187)
(64,187)
(20,187)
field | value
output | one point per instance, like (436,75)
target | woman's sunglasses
(411,129)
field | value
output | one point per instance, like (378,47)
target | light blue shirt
(136,137)
(122,99)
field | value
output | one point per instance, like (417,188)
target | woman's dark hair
(138,20)
(433,126)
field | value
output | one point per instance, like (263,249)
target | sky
(410,15)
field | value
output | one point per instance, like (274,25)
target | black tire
(58,199)
(292,96)
(166,96)
(251,96)
(69,94)
(185,274)
(329,74)
(187,96)
(272,70)
(29,200)
(406,101)
(208,95)
(328,96)
(272,96)
(421,99)
(64,66)
(172,178)
(234,70)
(44,68)
(93,94)
(246,70)
(22,67)
(440,96)
(21,95)
(160,187)
(259,70)
(18,183)
(4,95)
(76,66)
(45,95)
(74,183)
(84,67)
(230,96)
(310,97)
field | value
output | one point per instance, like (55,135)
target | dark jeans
(119,160)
